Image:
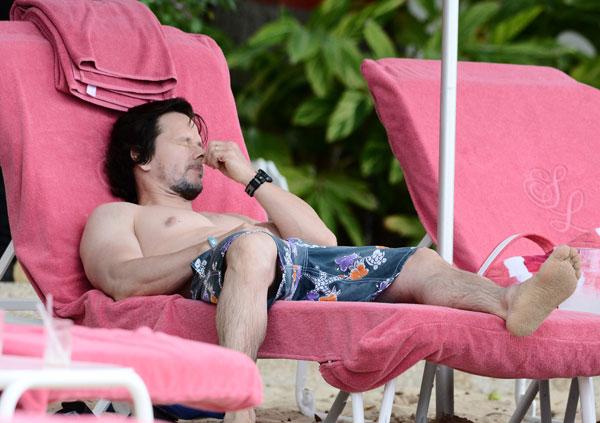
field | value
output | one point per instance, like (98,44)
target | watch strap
(260,178)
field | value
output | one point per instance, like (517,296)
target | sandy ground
(476,399)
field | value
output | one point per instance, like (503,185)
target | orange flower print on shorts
(359,272)
(330,297)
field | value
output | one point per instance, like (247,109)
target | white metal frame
(19,374)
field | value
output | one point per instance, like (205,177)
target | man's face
(178,156)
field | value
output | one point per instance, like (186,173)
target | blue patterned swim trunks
(309,272)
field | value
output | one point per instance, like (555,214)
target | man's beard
(186,190)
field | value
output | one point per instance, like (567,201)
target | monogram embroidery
(543,188)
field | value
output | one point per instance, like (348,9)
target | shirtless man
(145,245)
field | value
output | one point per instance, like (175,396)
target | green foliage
(191,15)
(305,89)
(304,104)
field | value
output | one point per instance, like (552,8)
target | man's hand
(226,157)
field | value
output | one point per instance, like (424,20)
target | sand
(476,399)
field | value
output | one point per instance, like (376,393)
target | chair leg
(444,392)
(571,409)
(337,407)
(520,387)
(101,407)
(425,393)
(545,407)
(304,397)
(525,402)
(385,413)
(358,409)
(586,393)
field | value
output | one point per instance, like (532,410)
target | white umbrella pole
(444,378)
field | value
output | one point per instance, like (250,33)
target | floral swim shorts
(309,272)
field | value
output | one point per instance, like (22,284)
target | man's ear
(135,157)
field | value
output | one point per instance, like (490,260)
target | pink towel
(173,369)
(526,150)
(109,52)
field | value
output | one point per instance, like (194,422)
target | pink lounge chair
(221,380)
(37,418)
(359,346)
(524,164)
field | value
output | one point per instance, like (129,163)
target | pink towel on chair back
(52,155)
(526,149)
(111,52)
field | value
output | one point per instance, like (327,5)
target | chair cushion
(221,380)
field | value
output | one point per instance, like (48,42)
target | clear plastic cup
(57,352)
(587,295)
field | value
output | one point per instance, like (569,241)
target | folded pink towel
(109,52)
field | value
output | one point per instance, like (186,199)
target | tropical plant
(305,104)
(191,15)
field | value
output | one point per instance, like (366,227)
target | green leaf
(273,33)
(325,208)
(349,113)
(473,19)
(508,29)
(528,52)
(313,111)
(268,146)
(352,24)
(405,225)
(243,57)
(378,40)
(301,180)
(374,158)
(301,44)
(350,223)
(343,58)
(351,190)
(328,13)
(384,7)
(396,175)
(318,75)
(588,72)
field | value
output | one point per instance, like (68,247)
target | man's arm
(292,216)
(114,262)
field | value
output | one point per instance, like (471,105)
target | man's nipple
(171,220)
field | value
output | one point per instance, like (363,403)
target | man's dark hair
(136,130)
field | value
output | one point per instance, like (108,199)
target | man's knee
(253,253)
(423,264)
(427,256)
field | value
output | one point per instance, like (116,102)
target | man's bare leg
(427,279)
(242,307)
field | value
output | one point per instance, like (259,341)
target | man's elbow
(113,287)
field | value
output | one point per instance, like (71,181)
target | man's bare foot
(244,416)
(532,301)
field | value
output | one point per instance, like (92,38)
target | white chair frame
(19,374)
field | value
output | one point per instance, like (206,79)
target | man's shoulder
(117,209)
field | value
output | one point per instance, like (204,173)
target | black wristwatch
(260,178)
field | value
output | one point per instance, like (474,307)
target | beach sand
(476,399)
